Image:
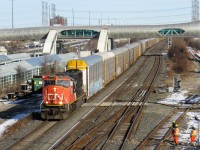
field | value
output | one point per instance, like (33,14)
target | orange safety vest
(176,132)
(193,133)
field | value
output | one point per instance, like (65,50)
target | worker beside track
(193,135)
(175,132)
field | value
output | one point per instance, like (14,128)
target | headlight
(47,102)
(61,103)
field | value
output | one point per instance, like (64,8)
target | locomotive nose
(55,93)
(55,90)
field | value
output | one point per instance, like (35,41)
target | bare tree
(20,75)
(195,43)
(179,55)
(13,46)
(45,66)
(54,67)
(49,67)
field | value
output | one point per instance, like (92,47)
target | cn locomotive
(64,92)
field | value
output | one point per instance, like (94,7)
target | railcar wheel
(73,105)
(84,100)
(43,115)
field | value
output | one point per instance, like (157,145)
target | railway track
(96,114)
(131,118)
(24,141)
(94,135)
(162,132)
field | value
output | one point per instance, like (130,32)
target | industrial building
(9,73)
(58,21)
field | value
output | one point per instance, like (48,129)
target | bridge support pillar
(104,44)
(110,44)
(50,43)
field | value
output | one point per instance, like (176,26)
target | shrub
(179,55)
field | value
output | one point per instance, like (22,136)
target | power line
(144,11)
(114,18)
(19,12)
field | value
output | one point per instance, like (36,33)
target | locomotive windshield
(65,83)
(49,82)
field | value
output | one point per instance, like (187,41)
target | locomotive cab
(61,94)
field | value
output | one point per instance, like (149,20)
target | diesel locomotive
(64,92)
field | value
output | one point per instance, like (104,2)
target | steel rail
(159,126)
(66,135)
(36,131)
(127,110)
(118,123)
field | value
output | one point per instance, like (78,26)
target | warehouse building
(25,69)
(13,58)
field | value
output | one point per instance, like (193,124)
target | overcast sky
(28,13)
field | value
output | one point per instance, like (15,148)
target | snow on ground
(10,122)
(185,134)
(14,102)
(16,118)
(175,98)
(178,98)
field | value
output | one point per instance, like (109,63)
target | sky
(28,13)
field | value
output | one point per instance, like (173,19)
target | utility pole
(12,16)
(49,15)
(73,16)
(101,19)
(89,18)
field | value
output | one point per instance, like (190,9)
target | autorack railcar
(97,71)
(92,68)
(108,66)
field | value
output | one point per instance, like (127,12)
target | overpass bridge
(190,29)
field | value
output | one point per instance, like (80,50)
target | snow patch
(175,98)
(10,122)
(185,134)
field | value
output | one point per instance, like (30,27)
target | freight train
(85,76)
